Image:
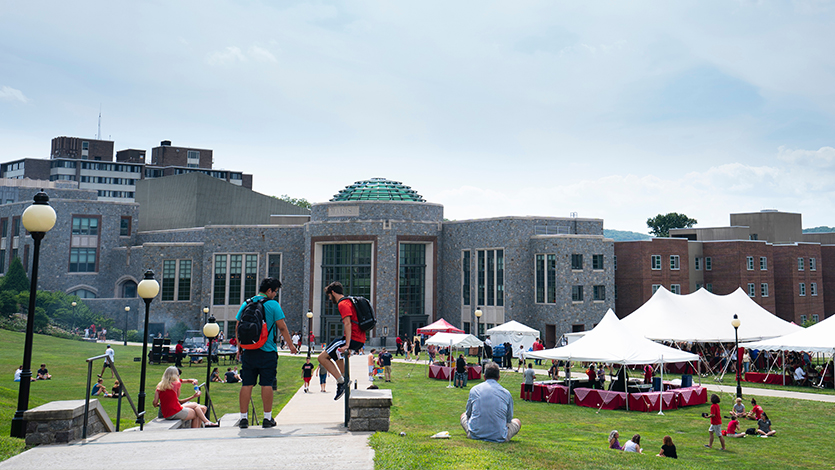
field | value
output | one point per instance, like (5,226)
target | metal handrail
(122,391)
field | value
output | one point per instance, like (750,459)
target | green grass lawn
(568,436)
(66,361)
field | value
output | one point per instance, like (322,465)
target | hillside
(624,236)
(821,229)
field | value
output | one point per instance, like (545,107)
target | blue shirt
(489,409)
(272,313)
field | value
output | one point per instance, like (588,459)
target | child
(715,416)
(307,373)
(371,365)
(668,449)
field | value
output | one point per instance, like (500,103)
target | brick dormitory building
(786,271)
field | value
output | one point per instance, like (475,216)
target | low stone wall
(59,422)
(370,410)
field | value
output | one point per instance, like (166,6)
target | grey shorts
(716,428)
(182,414)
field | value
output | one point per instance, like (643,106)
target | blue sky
(616,110)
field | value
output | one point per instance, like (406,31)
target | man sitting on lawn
(489,415)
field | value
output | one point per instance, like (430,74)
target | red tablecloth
(691,396)
(679,368)
(442,372)
(759,377)
(599,398)
(550,393)
(649,401)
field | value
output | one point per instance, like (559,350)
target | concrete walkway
(310,435)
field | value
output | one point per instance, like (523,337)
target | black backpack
(253,330)
(365,314)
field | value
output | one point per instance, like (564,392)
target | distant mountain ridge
(624,236)
(821,229)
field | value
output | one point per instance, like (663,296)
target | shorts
(323,379)
(182,414)
(340,342)
(370,370)
(715,428)
(528,387)
(307,380)
(257,363)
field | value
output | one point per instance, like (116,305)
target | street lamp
(735,323)
(309,331)
(211,329)
(478,314)
(125,331)
(147,289)
(38,219)
(73,315)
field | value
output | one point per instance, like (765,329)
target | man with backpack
(258,319)
(353,340)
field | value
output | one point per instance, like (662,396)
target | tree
(660,225)
(301,202)
(16,280)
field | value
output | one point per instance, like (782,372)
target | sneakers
(268,423)
(340,390)
(244,423)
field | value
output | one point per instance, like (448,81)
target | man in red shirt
(178,354)
(331,357)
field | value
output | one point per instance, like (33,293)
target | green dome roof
(378,189)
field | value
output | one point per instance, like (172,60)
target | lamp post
(38,219)
(735,323)
(309,331)
(205,314)
(125,331)
(73,315)
(211,329)
(478,314)
(147,289)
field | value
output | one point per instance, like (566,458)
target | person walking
(259,365)
(108,361)
(385,359)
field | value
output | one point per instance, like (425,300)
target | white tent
(514,333)
(705,317)
(818,338)
(458,340)
(613,342)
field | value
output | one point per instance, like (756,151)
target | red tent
(440,326)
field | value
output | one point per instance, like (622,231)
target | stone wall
(60,422)
(370,410)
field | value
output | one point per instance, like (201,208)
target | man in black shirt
(231,377)
(461,371)
(385,358)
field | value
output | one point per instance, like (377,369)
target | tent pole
(783,356)
(626,384)
(451,369)
(661,392)
(699,370)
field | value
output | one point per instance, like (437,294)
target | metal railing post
(347,383)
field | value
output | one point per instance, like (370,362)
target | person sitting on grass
(738,411)
(715,416)
(756,412)
(116,390)
(633,445)
(166,397)
(231,377)
(43,373)
(613,441)
(489,413)
(215,377)
(668,449)
(764,426)
(733,429)
(99,389)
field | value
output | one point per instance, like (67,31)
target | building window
(219,297)
(698,263)
(83,294)
(698,286)
(85,145)
(82,260)
(674,262)
(176,280)
(465,268)
(803,289)
(675,289)
(708,263)
(763,290)
(763,263)
(615,262)
(577,262)
(576,293)
(813,288)
(709,287)
(655,287)
(802,319)
(274,265)
(250,276)
(124,227)
(616,292)
(85,226)
(750,263)
(815,317)
(813,264)
(800,264)
(551,276)
(480,271)
(236,267)
(349,264)
(169,272)
(599,292)
(184,281)
(540,278)
(656,262)
(493,272)
(597,262)
(752,289)
(412,299)
(491,277)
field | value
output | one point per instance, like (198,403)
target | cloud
(8,93)
(260,54)
(823,158)
(228,55)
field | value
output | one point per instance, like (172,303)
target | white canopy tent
(818,338)
(514,333)
(705,317)
(456,340)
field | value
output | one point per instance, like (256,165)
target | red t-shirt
(592,375)
(758,411)
(346,309)
(169,402)
(717,414)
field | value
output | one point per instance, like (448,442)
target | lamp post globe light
(125,331)
(309,315)
(211,329)
(735,323)
(74,303)
(478,314)
(38,219)
(147,289)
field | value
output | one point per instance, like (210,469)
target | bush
(135,336)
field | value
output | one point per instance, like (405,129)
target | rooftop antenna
(98,136)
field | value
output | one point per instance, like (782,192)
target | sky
(613,110)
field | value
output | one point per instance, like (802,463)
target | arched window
(86,294)
(128,289)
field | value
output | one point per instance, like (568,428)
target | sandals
(211,425)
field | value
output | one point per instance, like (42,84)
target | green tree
(8,304)
(301,202)
(15,280)
(660,225)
